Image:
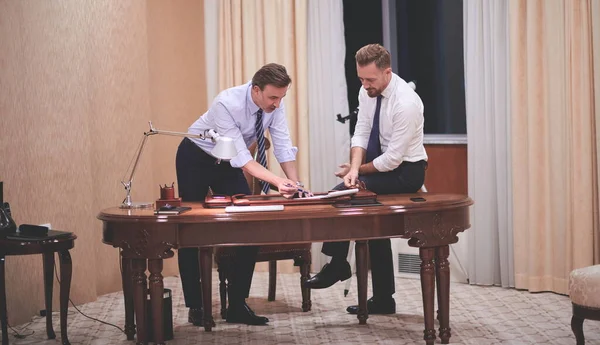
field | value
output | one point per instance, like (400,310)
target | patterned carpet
(478,315)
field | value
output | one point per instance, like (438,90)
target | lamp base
(134,205)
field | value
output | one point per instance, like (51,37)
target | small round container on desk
(47,247)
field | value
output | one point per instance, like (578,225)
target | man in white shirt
(241,113)
(388,156)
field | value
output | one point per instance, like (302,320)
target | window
(425,38)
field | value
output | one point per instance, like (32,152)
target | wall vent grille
(409,263)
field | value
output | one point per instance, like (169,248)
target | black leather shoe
(329,275)
(196,317)
(376,306)
(241,313)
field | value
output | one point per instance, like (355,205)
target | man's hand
(344,169)
(304,193)
(351,178)
(287,188)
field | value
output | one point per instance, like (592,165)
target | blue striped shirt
(233,114)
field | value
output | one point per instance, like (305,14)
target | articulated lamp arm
(224,149)
(208,134)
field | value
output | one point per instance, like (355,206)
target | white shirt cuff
(241,159)
(360,142)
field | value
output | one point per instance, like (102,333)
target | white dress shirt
(233,114)
(400,125)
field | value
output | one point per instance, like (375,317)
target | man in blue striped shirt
(241,113)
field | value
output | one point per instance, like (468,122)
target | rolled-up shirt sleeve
(226,126)
(404,123)
(280,135)
(364,122)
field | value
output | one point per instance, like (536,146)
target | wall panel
(78,82)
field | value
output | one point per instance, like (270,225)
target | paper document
(258,208)
(332,194)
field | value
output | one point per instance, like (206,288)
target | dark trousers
(407,178)
(196,172)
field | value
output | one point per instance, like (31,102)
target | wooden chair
(300,253)
(584,291)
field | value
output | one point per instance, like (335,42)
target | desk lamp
(224,150)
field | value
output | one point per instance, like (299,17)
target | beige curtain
(553,141)
(253,33)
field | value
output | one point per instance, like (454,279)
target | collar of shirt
(252,107)
(387,92)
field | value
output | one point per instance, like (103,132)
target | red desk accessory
(167,197)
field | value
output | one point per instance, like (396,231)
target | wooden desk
(47,249)
(147,239)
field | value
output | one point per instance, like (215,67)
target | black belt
(205,156)
(421,162)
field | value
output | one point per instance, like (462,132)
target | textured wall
(78,82)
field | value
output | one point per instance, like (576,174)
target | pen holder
(167,193)
(167,197)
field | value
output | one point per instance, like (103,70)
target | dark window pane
(429,36)
(430,51)
(362,26)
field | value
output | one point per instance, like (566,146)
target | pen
(292,186)
(302,191)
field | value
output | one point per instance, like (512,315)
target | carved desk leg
(48,284)
(66,271)
(427,289)
(304,264)
(138,268)
(361,276)
(205,257)
(155,266)
(437,282)
(3,317)
(127,296)
(443,291)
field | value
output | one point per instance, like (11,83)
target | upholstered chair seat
(584,291)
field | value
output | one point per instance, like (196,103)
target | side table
(47,248)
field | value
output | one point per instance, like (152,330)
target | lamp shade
(224,148)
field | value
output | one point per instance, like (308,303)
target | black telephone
(7,224)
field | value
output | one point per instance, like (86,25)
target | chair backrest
(253,182)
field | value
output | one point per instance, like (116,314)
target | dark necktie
(261,155)
(374,147)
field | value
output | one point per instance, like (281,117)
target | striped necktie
(261,156)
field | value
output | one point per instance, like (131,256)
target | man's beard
(373,93)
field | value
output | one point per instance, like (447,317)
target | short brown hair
(374,53)
(271,74)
